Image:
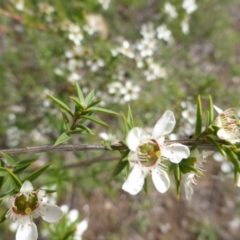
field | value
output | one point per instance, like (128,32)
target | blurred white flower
(164,33)
(185,25)
(95,64)
(190,6)
(75,34)
(146,47)
(148,31)
(126,49)
(170,10)
(19,4)
(129,91)
(154,71)
(105,3)
(148,152)
(46,8)
(73,77)
(28,204)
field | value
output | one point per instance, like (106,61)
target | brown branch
(20,19)
(90,147)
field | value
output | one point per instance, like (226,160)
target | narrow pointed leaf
(96,120)
(103,110)
(60,103)
(2,217)
(89,98)
(77,102)
(80,94)
(62,138)
(65,121)
(21,168)
(232,157)
(14,179)
(94,103)
(37,173)
(216,145)
(145,186)
(130,117)
(3,171)
(176,171)
(198,128)
(106,144)
(120,165)
(211,110)
(8,159)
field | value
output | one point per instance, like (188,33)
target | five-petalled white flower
(149,151)
(28,204)
(229,124)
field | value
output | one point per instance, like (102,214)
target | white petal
(27,232)
(160,180)
(175,152)
(219,110)
(188,192)
(134,138)
(50,213)
(81,228)
(73,215)
(135,181)
(164,125)
(222,134)
(26,187)
(132,156)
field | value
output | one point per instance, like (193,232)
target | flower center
(25,204)
(149,153)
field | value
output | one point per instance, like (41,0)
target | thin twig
(91,147)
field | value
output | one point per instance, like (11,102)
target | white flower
(164,33)
(28,204)
(190,6)
(170,10)
(80,229)
(148,152)
(95,64)
(185,25)
(129,91)
(229,124)
(105,3)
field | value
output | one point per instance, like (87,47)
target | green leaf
(21,168)
(80,129)
(216,145)
(89,98)
(103,110)
(3,171)
(65,119)
(2,217)
(198,128)
(60,103)
(94,103)
(211,110)
(130,117)
(62,138)
(37,173)
(96,120)
(80,94)
(232,157)
(77,102)
(120,165)
(106,144)
(176,171)
(145,185)
(14,179)
(8,159)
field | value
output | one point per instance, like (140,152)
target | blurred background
(152,55)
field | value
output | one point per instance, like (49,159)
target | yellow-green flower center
(25,205)
(149,153)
